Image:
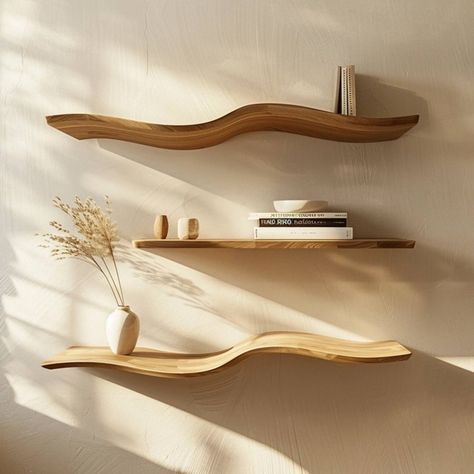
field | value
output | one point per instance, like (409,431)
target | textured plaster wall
(190,61)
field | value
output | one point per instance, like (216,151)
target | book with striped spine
(351,91)
(348,90)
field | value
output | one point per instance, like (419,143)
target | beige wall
(180,62)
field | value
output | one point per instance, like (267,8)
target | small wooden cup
(160,228)
(188,228)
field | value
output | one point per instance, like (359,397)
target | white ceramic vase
(122,329)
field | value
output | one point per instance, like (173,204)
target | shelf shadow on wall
(378,99)
(339,410)
(251,169)
(321,402)
(325,288)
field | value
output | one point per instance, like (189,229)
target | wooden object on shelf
(188,228)
(275,244)
(167,364)
(160,227)
(250,118)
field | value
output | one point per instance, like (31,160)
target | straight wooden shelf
(174,365)
(274,244)
(250,118)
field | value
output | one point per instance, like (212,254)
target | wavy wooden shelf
(274,244)
(169,364)
(250,118)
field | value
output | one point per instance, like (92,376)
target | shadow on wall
(376,99)
(328,414)
(323,274)
(38,437)
(329,279)
(39,448)
(6,289)
(319,414)
(263,164)
(149,269)
(250,169)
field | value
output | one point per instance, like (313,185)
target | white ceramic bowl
(299,205)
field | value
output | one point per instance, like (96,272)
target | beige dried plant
(92,240)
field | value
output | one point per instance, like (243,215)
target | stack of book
(301,226)
(345,91)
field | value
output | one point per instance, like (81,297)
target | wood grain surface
(274,244)
(250,118)
(166,364)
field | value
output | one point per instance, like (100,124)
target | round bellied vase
(122,329)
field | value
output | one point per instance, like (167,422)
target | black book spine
(302,222)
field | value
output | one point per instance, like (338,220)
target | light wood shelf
(274,244)
(173,365)
(250,118)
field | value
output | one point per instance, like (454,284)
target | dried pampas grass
(92,241)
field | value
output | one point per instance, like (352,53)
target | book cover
(297,215)
(312,85)
(303,233)
(337,91)
(298,222)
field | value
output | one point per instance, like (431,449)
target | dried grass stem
(93,239)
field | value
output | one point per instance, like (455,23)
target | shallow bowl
(299,205)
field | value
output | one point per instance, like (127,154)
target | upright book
(351,91)
(348,90)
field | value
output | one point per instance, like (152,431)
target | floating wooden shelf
(250,118)
(274,244)
(168,364)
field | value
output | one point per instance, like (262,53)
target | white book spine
(297,215)
(351,91)
(344,90)
(303,233)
